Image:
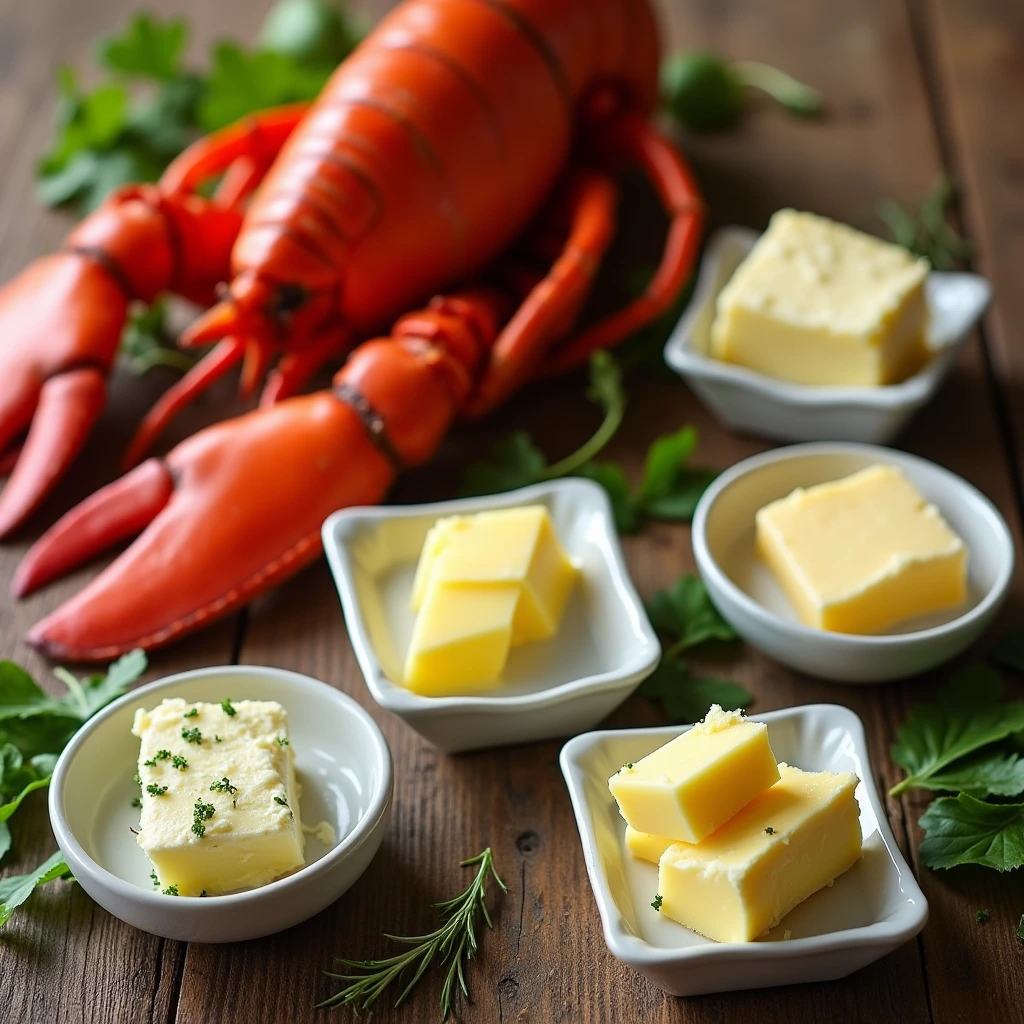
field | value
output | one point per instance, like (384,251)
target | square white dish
(869,911)
(604,648)
(745,400)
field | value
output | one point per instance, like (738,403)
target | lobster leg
(628,135)
(552,306)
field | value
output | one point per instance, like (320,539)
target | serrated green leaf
(685,697)
(967,716)
(679,504)
(986,773)
(17,888)
(965,830)
(147,48)
(686,613)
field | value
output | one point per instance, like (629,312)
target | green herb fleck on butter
(769,831)
(171,890)
(191,713)
(657,902)
(192,735)
(223,786)
(153,790)
(154,879)
(280,800)
(203,812)
(282,741)
(227,708)
(179,762)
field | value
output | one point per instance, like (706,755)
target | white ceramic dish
(604,648)
(751,402)
(344,768)
(748,596)
(869,911)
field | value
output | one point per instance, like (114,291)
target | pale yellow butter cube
(246,831)
(863,553)
(784,846)
(461,638)
(645,846)
(696,782)
(816,302)
(496,548)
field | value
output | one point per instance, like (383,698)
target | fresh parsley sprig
(454,942)
(925,230)
(685,614)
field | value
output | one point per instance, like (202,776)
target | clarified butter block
(862,554)
(687,788)
(785,845)
(816,302)
(645,846)
(500,547)
(220,807)
(461,638)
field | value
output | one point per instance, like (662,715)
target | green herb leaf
(147,48)
(146,341)
(967,716)
(989,772)
(657,901)
(925,230)
(309,30)
(983,916)
(685,612)
(685,697)
(15,889)
(965,830)
(454,942)
(515,461)
(612,478)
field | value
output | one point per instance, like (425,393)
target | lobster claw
(226,515)
(60,324)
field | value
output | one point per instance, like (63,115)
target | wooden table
(912,88)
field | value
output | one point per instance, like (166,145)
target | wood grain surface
(912,89)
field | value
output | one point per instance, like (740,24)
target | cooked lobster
(428,154)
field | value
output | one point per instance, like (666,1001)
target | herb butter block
(220,808)
(862,554)
(698,781)
(816,302)
(785,845)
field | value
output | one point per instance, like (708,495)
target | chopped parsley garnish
(280,800)
(191,713)
(626,766)
(192,735)
(203,812)
(150,763)
(204,893)
(171,890)
(160,755)
(656,903)
(137,779)
(223,786)
(179,762)
(769,831)
(226,707)
(155,880)
(153,790)
(136,801)
(982,916)
(282,741)
(216,738)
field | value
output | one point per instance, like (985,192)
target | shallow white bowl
(746,592)
(343,765)
(604,647)
(752,402)
(869,911)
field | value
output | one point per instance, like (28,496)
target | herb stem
(787,91)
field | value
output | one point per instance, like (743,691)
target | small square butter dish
(869,911)
(603,649)
(746,400)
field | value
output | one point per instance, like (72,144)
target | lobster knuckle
(405,384)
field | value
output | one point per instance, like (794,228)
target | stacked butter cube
(739,839)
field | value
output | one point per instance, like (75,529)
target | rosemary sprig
(454,940)
(925,231)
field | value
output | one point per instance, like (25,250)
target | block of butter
(862,554)
(512,545)
(698,781)
(220,808)
(817,302)
(483,584)
(784,846)
(645,845)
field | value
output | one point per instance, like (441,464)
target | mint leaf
(987,773)
(147,48)
(515,462)
(685,697)
(17,888)
(612,478)
(967,716)
(664,458)
(686,613)
(965,830)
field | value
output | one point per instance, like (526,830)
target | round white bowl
(748,596)
(344,767)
